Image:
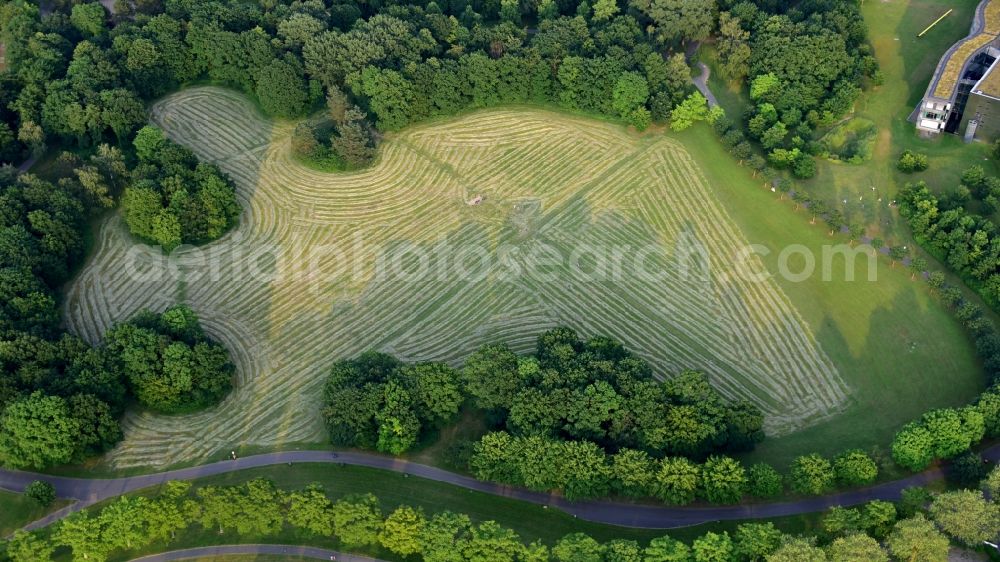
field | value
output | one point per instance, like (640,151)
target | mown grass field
(582,224)
(324,266)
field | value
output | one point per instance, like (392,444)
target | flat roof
(948,79)
(991,17)
(985,29)
(989,84)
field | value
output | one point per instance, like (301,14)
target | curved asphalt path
(235,549)
(701,82)
(89,491)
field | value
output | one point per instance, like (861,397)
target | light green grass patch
(17,510)
(895,345)
(851,141)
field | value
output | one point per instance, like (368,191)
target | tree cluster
(340,139)
(65,79)
(969,244)
(805,65)
(60,398)
(164,361)
(173,198)
(377,402)
(910,161)
(77,77)
(951,235)
(167,361)
(872,532)
(975,184)
(596,67)
(581,469)
(571,390)
(939,434)
(598,391)
(52,409)
(815,475)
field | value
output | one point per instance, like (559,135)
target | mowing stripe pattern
(302,281)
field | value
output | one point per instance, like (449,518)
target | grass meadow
(301,282)
(17,510)
(806,352)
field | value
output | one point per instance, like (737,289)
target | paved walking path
(701,82)
(235,549)
(89,491)
(27,164)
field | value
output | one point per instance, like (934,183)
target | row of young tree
(917,528)
(581,470)
(70,411)
(967,243)
(591,390)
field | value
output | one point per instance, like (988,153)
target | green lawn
(882,336)
(886,337)
(16,511)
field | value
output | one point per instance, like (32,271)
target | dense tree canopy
(168,362)
(57,402)
(37,432)
(377,402)
(571,390)
(598,391)
(805,65)
(173,198)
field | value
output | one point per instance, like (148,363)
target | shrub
(854,468)
(804,167)
(968,469)
(811,474)
(41,493)
(910,162)
(763,481)
(913,447)
(914,500)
